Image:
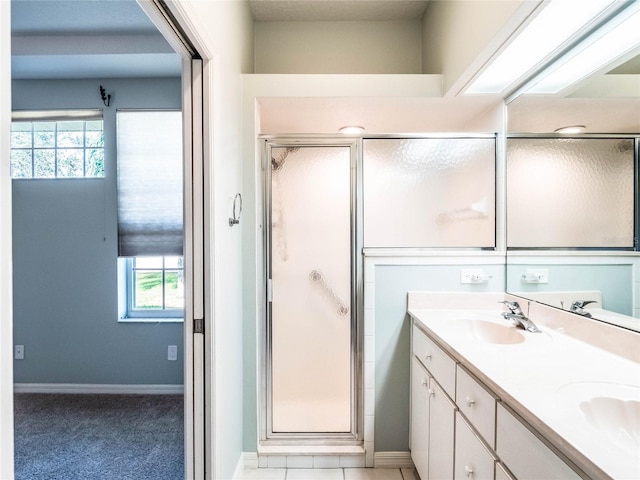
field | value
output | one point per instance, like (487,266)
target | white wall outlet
(473,275)
(536,275)
(172,353)
(18,352)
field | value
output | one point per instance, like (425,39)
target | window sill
(151,320)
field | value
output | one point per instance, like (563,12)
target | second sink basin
(612,409)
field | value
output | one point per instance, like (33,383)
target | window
(155,287)
(57,144)
(150,224)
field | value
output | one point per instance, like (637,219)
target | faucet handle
(581,304)
(513,306)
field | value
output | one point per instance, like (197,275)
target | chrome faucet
(578,307)
(517,316)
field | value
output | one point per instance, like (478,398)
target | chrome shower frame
(355,436)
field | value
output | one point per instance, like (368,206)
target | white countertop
(544,379)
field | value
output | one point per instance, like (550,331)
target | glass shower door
(310,321)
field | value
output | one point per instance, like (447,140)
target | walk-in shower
(311,362)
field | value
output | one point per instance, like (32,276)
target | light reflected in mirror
(572,200)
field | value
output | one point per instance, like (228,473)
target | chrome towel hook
(237,210)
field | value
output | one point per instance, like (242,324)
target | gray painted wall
(393,349)
(65,257)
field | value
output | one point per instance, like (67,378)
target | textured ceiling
(336,10)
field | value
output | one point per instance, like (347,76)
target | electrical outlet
(18,352)
(473,275)
(536,275)
(172,353)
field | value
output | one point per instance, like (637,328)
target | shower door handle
(269,290)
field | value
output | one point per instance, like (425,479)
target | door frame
(171,20)
(356,435)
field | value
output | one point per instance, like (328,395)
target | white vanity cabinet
(461,430)
(524,454)
(432,411)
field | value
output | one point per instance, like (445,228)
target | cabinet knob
(468,472)
(427,356)
(431,392)
(424,382)
(470,401)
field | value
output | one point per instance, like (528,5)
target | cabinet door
(420,418)
(473,460)
(441,433)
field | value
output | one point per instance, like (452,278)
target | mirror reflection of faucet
(578,307)
(519,319)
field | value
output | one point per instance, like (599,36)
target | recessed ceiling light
(571,129)
(351,130)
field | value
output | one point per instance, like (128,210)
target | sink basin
(490,332)
(612,409)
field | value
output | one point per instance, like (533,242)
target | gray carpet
(98,437)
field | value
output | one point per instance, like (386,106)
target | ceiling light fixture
(558,22)
(570,129)
(613,41)
(351,130)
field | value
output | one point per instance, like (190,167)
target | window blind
(150,218)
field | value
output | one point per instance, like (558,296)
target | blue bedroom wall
(65,257)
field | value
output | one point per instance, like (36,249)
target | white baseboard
(392,460)
(98,388)
(246,460)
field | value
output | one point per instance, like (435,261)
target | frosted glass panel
(311,274)
(564,192)
(429,192)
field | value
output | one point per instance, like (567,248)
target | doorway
(311,342)
(191,344)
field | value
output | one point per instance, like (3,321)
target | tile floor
(330,474)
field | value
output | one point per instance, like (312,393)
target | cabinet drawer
(472,459)
(439,364)
(524,454)
(477,405)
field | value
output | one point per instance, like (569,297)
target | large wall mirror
(572,198)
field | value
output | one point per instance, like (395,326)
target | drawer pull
(424,382)
(468,472)
(427,356)
(470,402)
(431,392)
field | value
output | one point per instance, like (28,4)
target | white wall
(224,33)
(459,36)
(6,333)
(338,47)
